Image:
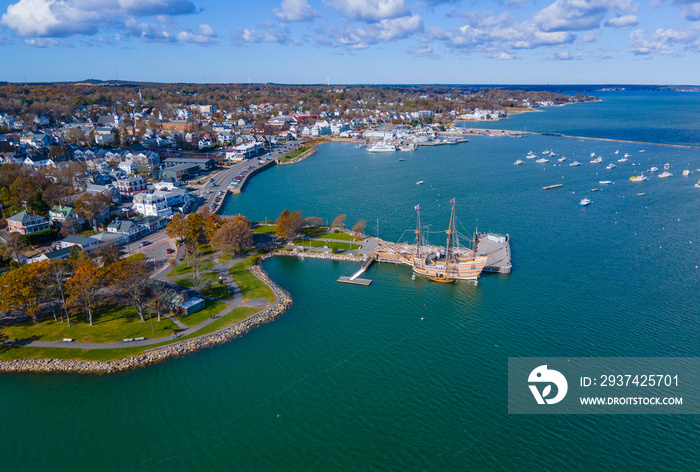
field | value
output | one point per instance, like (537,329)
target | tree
(21,289)
(359,227)
(211,224)
(162,297)
(289,224)
(338,221)
(313,221)
(131,278)
(90,206)
(14,244)
(176,227)
(108,254)
(56,273)
(82,288)
(234,235)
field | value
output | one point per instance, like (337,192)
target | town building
(26,223)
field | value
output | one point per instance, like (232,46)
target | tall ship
(440,264)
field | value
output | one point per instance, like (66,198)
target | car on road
(169,250)
(144,243)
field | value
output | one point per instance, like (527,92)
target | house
(192,305)
(110,239)
(151,223)
(128,167)
(109,120)
(151,204)
(26,223)
(179,172)
(203,163)
(57,255)
(111,191)
(204,143)
(83,242)
(58,214)
(126,227)
(131,185)
(245,151)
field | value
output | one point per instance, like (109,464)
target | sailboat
(451,265)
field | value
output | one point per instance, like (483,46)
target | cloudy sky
(352,41)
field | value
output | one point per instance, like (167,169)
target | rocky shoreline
(284,300)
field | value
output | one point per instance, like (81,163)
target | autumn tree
(176,227)
(13,245)
(21,289)
(289,224)
(108,254)
(211,224)
(313,221)
(359,227)
(234,235)
(90,206)
(82,288)
(338,221)
(162,299)
(131,279)
(55,275)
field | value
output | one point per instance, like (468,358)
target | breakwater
(283,301)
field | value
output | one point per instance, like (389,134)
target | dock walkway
(497,248)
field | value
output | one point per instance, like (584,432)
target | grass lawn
(238,314)
(220,291)
(204,250)
(225,258)
(250,286)
(265,229)
(313,232)
(196,318)
(339,236)
(309,243)
(294,154)
(347,246)
(140,257)
(189,282)
(206,264)
(111,323)
(179,270)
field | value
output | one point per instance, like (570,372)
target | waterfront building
(26,223)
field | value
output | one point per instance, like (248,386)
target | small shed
(192,305)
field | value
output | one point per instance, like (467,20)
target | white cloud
(690,9)
(63,18)
(504,56)
(373,33)
(149,32)
(369,10)
(578,15)
(41,42)
(563,55)
(205,36)
(295,10)
(265,34)
(624,21)
(666,41)
(425,51)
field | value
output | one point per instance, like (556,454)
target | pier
(354,278)
(496,247)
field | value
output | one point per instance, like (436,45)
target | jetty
(551,186)
(496,247)
(355,278)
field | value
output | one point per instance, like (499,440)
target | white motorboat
(584,202)
(610,166)
(597,160)
(575,163)
(519,162)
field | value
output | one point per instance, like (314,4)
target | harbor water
(407,374)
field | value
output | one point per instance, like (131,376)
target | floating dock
(355,278)
(551,186)
(496,247)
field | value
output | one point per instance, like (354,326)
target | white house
(151,204)
(84,242)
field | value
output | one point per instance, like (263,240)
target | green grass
(206,264)
(225,258)
(220,291)
(313,232)
(204,250)
(189,281)
(238,314)
(196,318)
(346,246)
(293,155)
(265,229)
(250,286)
(339,236)
(309,242)
(179,270)
(111,323)
(140,257)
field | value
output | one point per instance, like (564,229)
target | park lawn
(309,242)
(249,285)
(220,291)
(179,270)
(346,246)
(189,281)
(211,308)
(339,236)
(265,229)
(233,317)
(206,264)
(140,257)
(313,232)
(225,258)
(204,250)
(111,323)
(100,355)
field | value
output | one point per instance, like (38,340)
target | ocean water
(411,375)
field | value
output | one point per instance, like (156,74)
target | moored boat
(519,162)
(584,202)
(686,173)
(382,147)
(575,163)
(639,178)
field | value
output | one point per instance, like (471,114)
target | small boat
(542,160)
(595,190)
(592,154)
(584,202)
(654,169)
(665,174)
(561,159)
(605,182)
(641,194)
(597,160)
(519,162)
(402,159)
(686,173)
(617,152)
(639,178)
(627,155)
(698,184)
(531,155)
(623,159)
(420,182)
(575,163)
(546,151)
(610,166)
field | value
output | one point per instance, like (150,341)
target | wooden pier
(497,248)
(354,278)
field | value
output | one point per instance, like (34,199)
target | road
(159,243)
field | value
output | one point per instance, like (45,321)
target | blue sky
(352,41)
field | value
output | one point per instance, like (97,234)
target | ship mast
(418,232)
(450,232)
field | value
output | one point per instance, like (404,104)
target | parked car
(169,250)
(144,243)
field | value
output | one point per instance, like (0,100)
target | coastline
(150,356)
